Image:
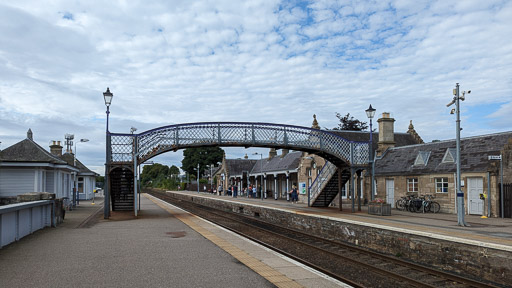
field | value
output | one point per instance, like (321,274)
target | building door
(390,192)
(475,188)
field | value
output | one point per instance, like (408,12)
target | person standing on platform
(294,194)
(235,191)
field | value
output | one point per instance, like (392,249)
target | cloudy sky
(169,62)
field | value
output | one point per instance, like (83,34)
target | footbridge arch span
(138,148)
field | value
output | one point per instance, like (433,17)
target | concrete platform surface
(491,232)
(164,247)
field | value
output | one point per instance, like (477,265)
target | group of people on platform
(252,192)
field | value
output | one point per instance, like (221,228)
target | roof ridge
(452,140)
(46,152)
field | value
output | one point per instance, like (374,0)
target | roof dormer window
(422,158)
(450,156)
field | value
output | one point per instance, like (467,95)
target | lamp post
(197,178)
(77,196)
(460,194)
(106,211)
(370,112)
(261,171)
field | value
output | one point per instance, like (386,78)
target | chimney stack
(272,153)
(29,134)
(284,152)
(386,133)
(56,148)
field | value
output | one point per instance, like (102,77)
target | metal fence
(507,200)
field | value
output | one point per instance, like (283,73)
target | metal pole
(501,186)
(352,189)
(106,205)
(372,189)
(288,188)
(211,177)
(265,186)
(197,178)
(261,171)
(135,192)
(460,194)
(489,194)
(138,183)
(275,187)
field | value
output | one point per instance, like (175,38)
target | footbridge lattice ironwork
(138,148)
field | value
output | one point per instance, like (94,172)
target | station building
(404,165)
(27,167)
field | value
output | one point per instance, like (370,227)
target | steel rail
(289,255)
(387,259)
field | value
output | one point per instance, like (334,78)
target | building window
(422,158)
(441,185)
(80,184)
(308,172)
(412,185)
(450,156)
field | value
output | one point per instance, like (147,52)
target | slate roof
(237,166)
(401,139)
(29,151)
(83,170)
(474,156)
(289,161)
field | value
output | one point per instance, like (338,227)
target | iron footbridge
(138,148)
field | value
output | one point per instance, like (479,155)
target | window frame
(415,186)
(441,184)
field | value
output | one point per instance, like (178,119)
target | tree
(157,176)
(173,170)
(202,155)
(348,122)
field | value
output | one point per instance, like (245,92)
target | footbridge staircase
(325,187)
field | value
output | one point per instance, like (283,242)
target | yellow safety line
(269,273)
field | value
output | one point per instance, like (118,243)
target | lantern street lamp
(107,95)
(460,194)
(197,178)
(261,171)
(370,112)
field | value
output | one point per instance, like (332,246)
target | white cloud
(267,61)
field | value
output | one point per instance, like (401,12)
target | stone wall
(471,260)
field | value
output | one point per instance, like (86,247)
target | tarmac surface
(163,247)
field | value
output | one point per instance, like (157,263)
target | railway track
(353,265)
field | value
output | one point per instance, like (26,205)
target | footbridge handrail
(321,180)
(244,134)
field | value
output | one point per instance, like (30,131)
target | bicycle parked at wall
(418,204)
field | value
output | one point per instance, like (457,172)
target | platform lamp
(261,171)
(197,178)
(370,112)
(107,95)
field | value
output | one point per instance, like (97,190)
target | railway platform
(163,247)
